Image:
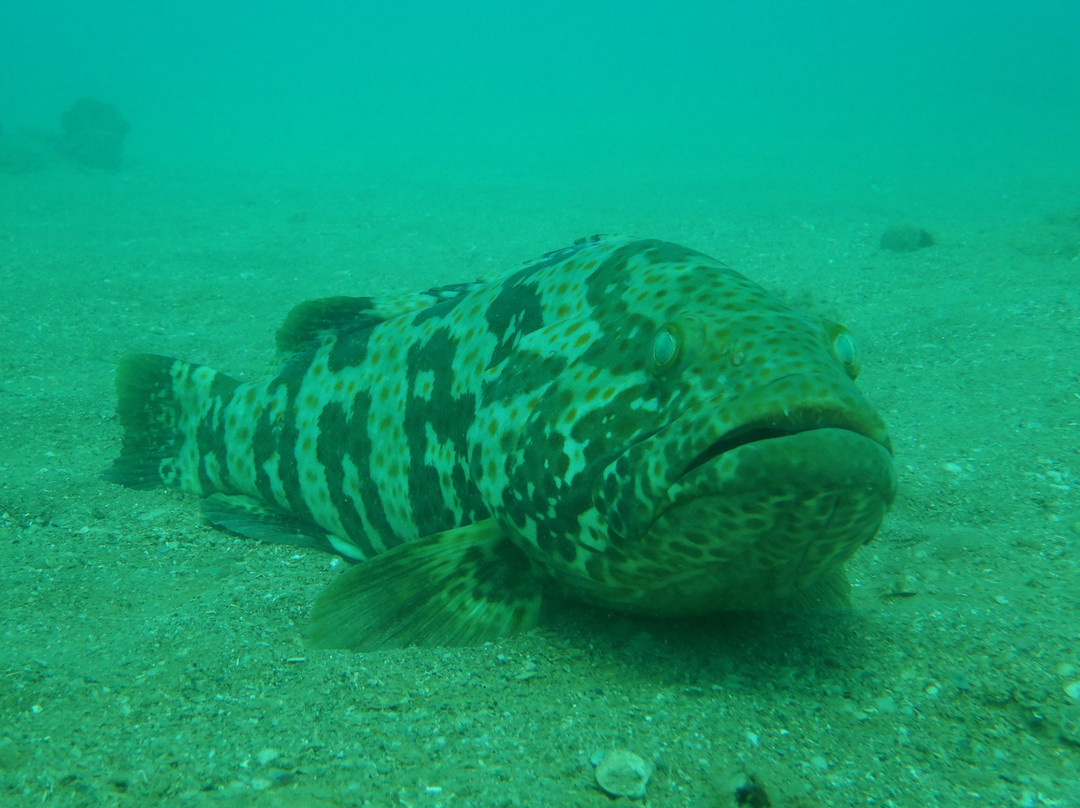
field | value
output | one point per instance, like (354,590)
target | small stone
(265,757)
(819,763)
(622,774)
(885,704)
(1072,690)
(905,238)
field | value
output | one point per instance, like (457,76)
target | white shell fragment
(622,774)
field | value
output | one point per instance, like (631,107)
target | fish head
(722,456)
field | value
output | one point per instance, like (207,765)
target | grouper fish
(625,422)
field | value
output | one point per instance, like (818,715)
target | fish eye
(845,349)
(667,346)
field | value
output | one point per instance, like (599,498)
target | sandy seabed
(148,659)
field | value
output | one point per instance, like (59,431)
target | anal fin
(464,586)
(250,517)
(832,592)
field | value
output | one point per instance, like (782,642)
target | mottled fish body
(625,419)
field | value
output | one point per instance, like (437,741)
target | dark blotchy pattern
(655,431)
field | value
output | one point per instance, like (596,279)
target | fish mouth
(863,422)
(762,441)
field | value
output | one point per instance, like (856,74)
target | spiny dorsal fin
(464,586)
(311,320)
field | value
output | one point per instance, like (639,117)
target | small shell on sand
(622,774)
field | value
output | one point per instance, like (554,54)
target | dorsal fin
(311,320)
(565,253)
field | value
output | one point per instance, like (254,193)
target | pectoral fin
(464,586)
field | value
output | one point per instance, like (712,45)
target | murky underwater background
(175,178)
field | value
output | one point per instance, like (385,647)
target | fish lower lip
(735,439)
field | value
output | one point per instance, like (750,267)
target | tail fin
(162,402)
